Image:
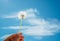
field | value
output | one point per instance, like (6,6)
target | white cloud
(11,15)
(42,27)
(5,36)
(16,14)
(16,27)
(40,31)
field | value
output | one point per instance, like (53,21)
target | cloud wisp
(5,36)
(40,27)
(30,13)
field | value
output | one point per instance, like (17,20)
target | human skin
(15,37)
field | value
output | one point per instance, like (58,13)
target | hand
(15,37)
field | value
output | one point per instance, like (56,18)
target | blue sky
(42,22)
